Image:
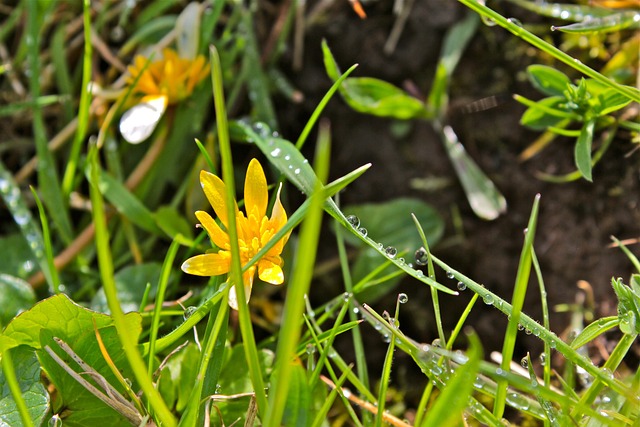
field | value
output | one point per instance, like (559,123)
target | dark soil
(576,219)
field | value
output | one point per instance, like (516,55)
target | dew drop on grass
(297,171)
(189,311)
(543,359)
(450,274)
(461,286)
(346,296)
(488,299)
(287,157)
(403,298)
(524,362)
(391,252)
(356,310)
(520,327)
(527,331)
(353,220)
(363,231)
(517,401)
(276,152)
(421,256)
(436,343)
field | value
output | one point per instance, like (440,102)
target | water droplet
(527,331)
(297,171)
(363,231)
(488,299)
(524,362)
(517,401)
(543,359)
(478,383)
(391,252)
(461,286)
(419,273)
(287,157)
(276,152)
(436,370)
(346,296)
(450,274)
(515,21)
(500,372)
(403,298)
(520,327)
(386,338)
(189,311)
(421,256)
(436,343)
(401,261)
(356,310)
(353,220)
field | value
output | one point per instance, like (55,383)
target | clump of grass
(123,337)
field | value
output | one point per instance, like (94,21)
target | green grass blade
(83,109)
(46,237)
(62,74)
(47,175)
(298,287)
(246,328)
(519,292)
(105,265)
(514,28)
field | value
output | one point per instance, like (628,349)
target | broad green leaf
(544,113)
(453,399)
(373,96)
(16,296)
(76,405)
(610,101)
(131,282)
(583,150)
(297,410)
(58,314)
(594,330)
(548,80)
(27,370)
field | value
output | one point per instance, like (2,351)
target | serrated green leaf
(548,80)
(16,297)
(583,150)
(131,282)
(58,314)
(27,370)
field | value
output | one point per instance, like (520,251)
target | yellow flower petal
(256,197)
(208,264)
(215,189)
(217,236)
(270,272)
(277,221)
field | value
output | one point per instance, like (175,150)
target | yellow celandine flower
(254,231)
(172,76)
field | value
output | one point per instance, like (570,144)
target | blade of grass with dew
(246,328)
(517,30)
(450,404)
(484,198)
(519,292)
(298,287)
(545,315)
(14,387)
(47,175)
(83,108)
(105,264)
(13,200)
(46,238)
(282,154)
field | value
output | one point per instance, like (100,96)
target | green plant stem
(235,277)
(14,387)
(46,239)
(298,287)
(537,42)
(83,108)
(105,265)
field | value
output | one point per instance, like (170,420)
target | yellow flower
(254,231)
(172,76)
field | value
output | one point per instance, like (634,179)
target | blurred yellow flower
(172,76)
(254,231)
